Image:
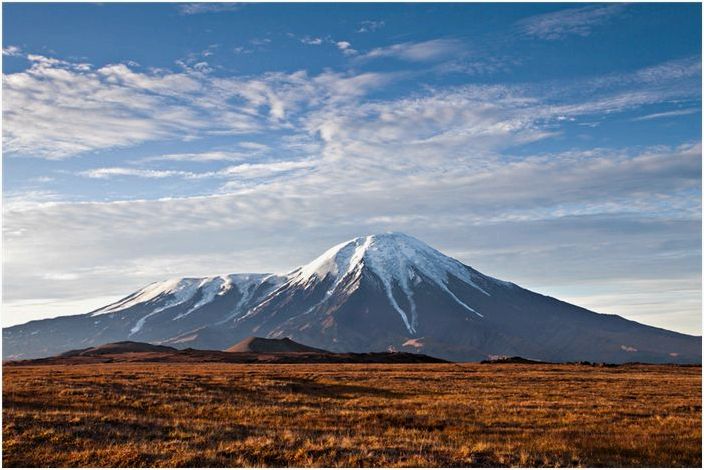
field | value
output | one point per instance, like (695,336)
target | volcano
(385,292)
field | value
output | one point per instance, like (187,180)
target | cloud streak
(667,114)
(572,21)
(426,51)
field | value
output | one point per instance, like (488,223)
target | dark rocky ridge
(251,351)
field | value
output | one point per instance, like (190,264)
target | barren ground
(351,415)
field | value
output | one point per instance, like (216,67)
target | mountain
(374,293)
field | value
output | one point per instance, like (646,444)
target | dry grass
(351,415)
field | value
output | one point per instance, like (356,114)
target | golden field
(194,415)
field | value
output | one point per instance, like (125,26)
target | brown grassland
(225,415)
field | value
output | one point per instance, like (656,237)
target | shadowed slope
(267,345)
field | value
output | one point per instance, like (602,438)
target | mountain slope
(374,293)
(393,291)
(156,313)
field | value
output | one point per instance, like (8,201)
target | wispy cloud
(207,7)
(426,51)
(261,170)
(368,26)
(243,170)
(343,46)
(11,51)
(260,41)
(573,21)
(212,156)
(104,173)
(58,109)
(667,114)
(312,41)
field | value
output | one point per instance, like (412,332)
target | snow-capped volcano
(372,293)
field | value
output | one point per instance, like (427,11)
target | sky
(557,146)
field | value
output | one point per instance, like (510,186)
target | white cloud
(258,170)
(43,179)
(235,172)
(212,156)
(11,51)
(57,109)
(312,41)
(346,48)
(670,70)
(573,21)
(254,146)
(368,26)
(102,173)
(671,309)
(21,311)
(426,51)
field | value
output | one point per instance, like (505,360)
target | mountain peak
(398,260)
(358,250)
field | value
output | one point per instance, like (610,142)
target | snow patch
(150,293)
(209,288)
(177,291)
(247,284)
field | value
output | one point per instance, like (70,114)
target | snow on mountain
(180,289)
(164,295)
(397,259)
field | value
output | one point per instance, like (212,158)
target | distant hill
(120,347)
(254,344)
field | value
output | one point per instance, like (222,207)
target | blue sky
(554,145)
